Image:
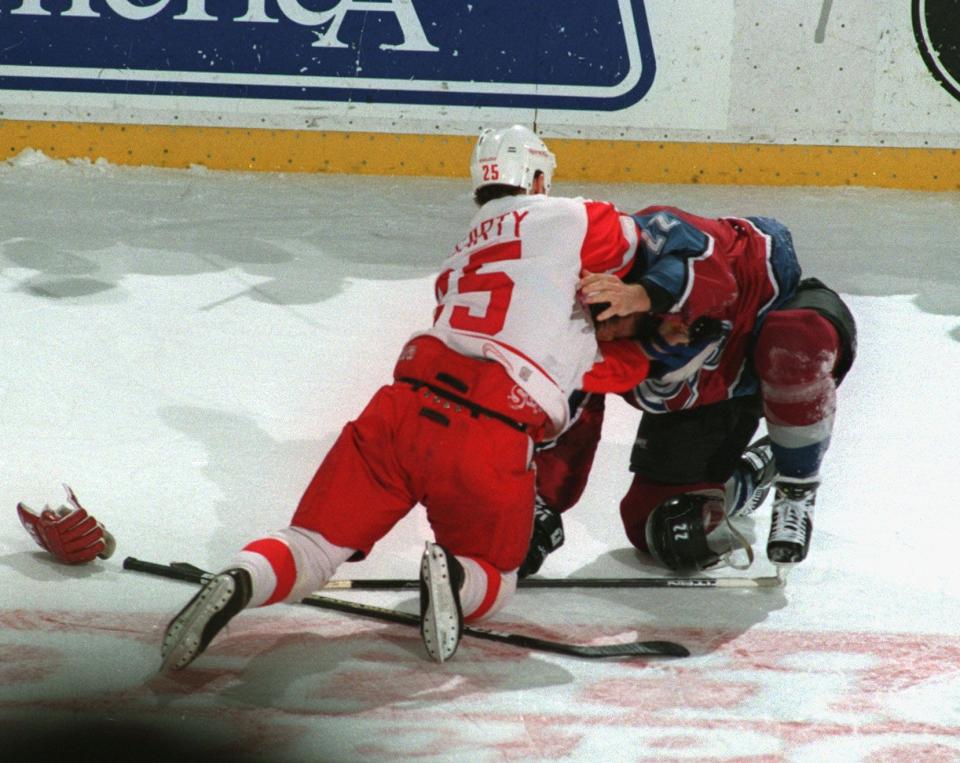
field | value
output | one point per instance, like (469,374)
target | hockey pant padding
(643,497)
(485,589)
(289,565)
(795,357)
(473,474)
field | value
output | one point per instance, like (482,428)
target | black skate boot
(547,537)
(441,617)
(792,522)
(206,614)
(758,470)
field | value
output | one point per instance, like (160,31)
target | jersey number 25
(497,284)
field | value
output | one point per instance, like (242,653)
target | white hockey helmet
(511,156)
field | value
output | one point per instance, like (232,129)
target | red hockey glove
(69,533)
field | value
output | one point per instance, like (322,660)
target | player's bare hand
(621,298)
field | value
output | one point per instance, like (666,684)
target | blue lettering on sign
(513,53)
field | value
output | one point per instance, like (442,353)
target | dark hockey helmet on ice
(682,535)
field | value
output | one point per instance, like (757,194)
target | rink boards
(865,93)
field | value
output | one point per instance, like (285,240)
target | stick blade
(633,649)
(663,648)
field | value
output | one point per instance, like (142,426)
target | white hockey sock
(289,564)
(485,589)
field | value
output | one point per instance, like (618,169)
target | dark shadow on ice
(92,738)
(261,479)
(64,288)
(307,674)
(710,617)
(294,239)
(43,567)
(287,239)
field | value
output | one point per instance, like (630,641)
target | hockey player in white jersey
(454,431)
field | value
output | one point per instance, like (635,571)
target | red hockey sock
(794,357)
(485,589)
(284,568)
(290,564)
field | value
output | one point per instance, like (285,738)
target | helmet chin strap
(740,543)
(692,531)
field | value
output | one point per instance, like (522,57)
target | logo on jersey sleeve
(936,26)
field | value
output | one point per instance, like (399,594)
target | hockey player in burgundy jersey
(733,335)
(454,431)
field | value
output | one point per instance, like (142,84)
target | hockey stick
(629,649)
(653,648)
(184,571)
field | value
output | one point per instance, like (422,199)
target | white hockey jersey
(508,292)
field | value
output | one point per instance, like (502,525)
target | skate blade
(181,642)
(441,632)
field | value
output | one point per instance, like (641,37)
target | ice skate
(792,524)
(441,617)
(192,630)
(547,537)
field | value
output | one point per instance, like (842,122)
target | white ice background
(182,347)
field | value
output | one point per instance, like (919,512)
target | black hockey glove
(547,537)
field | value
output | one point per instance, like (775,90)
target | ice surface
(182,347)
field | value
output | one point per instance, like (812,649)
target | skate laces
(790,512)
